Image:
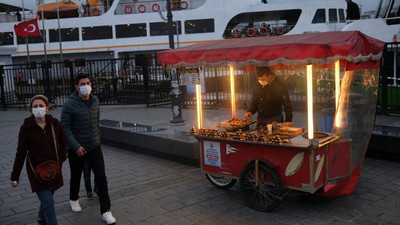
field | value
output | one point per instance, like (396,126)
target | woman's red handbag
(47,171)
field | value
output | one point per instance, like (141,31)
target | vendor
(269,95)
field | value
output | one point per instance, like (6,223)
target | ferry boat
(124,28)
(386,24)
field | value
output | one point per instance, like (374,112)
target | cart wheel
(220,181)
(267,195)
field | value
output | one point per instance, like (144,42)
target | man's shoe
(89,196)
(108,218)
(75,206)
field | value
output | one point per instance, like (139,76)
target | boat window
(93,33)
(131,30)
(394,13)
(67,34)
(383,7)
(333,16)
(319,16)
(272,23)
(6,38)
(199,26)
(161,28)
(31,40)
(341,16)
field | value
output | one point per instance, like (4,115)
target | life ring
(250,32)
(155,7)
(172,6)
(128,9)
(142,8)
(236,33)
(184,5)
(263,31)
(280,30)
(95,11)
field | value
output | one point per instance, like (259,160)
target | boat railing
(7,18)
(276,29)
(155,6)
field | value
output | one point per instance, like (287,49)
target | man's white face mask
(85,90)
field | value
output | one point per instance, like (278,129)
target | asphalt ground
(150,190)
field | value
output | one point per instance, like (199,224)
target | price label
(189,76)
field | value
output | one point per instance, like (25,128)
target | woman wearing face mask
(269,95)
(36,143)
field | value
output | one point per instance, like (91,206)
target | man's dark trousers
(96,161)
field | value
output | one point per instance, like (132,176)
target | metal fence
(140,81)
(389,82)
(114,81)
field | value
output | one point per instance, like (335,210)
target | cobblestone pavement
(149,190)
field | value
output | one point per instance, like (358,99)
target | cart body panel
(303,169)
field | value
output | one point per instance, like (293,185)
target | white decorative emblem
(230,149)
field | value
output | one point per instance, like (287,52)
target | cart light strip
(233,100)
(310,103)
(199,109)
(337,82)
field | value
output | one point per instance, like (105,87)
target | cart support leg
(256,168)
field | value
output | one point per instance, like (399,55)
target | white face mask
(39,112)
(263,83)
(85,90)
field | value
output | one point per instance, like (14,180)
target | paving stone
(149,190)
(371,196)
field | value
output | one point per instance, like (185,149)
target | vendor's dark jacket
(38,144)
(81,123)
(267,101)
(353,12)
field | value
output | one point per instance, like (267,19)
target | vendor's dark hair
(39,97)
(79,77)
(263,70)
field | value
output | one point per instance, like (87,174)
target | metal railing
(125,81)
(389,80)
(114,81)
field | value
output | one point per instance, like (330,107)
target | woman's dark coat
(38,145)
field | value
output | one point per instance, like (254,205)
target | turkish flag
(28,28)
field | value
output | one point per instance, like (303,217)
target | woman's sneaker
(75,206)
(108,218)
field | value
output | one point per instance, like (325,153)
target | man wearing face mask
(269,96)
(80,119)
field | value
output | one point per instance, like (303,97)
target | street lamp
(175,93)
(176,25)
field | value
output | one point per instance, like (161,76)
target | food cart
(295,156)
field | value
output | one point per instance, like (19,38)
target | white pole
(44,35)
(59,32)
(26,39)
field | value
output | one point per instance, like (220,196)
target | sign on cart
(212,153)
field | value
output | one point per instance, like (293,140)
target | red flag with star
(28,28)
